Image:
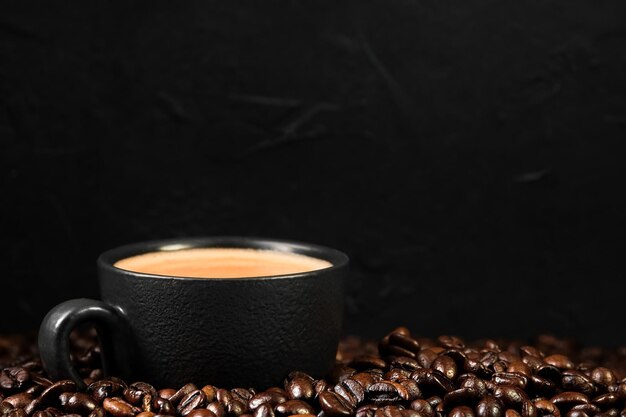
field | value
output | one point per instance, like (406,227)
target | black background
(468,155)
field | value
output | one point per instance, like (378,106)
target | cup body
(247,332)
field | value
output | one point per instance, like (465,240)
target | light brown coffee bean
(292,407)
(333,405)
(119,408)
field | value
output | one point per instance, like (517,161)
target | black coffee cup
(168,331)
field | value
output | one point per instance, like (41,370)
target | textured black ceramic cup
(229,332)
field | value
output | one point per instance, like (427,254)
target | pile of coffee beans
(402,376)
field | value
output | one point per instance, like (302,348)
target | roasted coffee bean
(603,376)
(163,406)
(547,407)
(77,402)
(576,413)
(364,362)
(438,381)
(589,408)
(386,392)
(264,410)
(300,389)
(512,413)
(461,396)
(119,408)
(388,411)
(511,397)
(292,407)
(167,393)
(541,387)
(320,386)
(240,394)
(365,379)
(426,357)
(423,407)
(19,400)
(236,408)
(510,378)
(224,397)
(351,391)
(273,398)
(218,409)
(451,342)
(333,405)
(17,412)
(528,409)
(368,411)
(339,373)
(396,373)
(519,367)
(195,399)
(13,378)
(559,361)
(435,401)
(473,382)
(405,363)
(184,390)
(446,365)
(574,380)
(405,341)
(411,387)
(568,399)
(146,414)
(606,401)
(531,351)
(549,372)
(461,411)
(489,406)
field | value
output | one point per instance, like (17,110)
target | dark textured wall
(468,155)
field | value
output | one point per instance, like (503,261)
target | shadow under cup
(229,332)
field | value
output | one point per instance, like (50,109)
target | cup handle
(112,328)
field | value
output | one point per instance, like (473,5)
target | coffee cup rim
(337,258)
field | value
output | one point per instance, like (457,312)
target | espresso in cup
(221,263)
(225,311)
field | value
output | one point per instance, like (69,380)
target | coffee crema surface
(221,263)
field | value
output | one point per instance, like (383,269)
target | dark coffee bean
(365,379)
(426,357)
(451,342)
(184,390)
(396,373)
(510,378)
(528,409)
(405,363)
(577,413)
(547,407)
(471,381)
(339,373)
(300,389)
(119,408)
(333,405)
(321,386)
(20,400)
(559,361)
(606,401)
(435,401)
(368,411)
(224,397)
(389,411)
(351,391)
(163,406)
(423,407)
(438,381)
(489,358)
(574,380)
(264,410)
(549,372)
(104,388)
(513,413)
(146,414)
(461,396)
(446,366)
(603,376)
(590,409)
(363,362)
(411,387)
(541,386)
(210,393)
(218,409)
(240,394)
(273,398)
(77,402)
(461,411)
(51,394)
(166,393)
(406,342)
(42,414)
(236,408)
(17,412)
(13,378)
(292,407)
(519,367)
(511,397)
(489,406)
(477,368)
(386,392)
(54,411)
(195,399)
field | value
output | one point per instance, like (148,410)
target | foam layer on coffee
(221,263)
